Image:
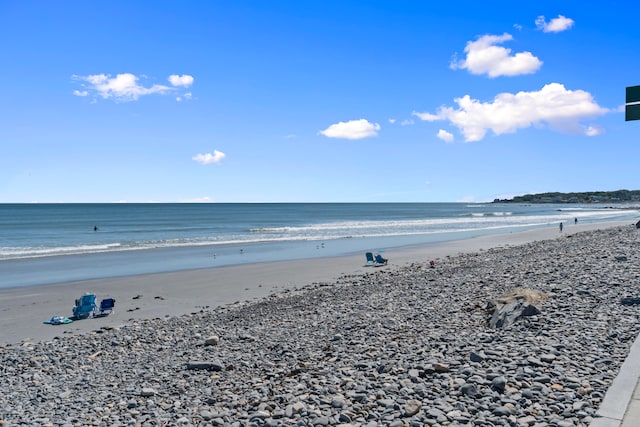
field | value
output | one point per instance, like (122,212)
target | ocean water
(51,243)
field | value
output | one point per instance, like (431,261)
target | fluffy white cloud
(553,106)
(127,87)
(122,87)
(353,129)
(209,158)
(445,136)
(556,25)
(183,81)
(484,57)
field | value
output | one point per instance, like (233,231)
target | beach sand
(23,309)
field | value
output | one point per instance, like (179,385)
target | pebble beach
(400,345)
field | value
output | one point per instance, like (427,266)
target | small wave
(268,229)
(486,214)
(21,252)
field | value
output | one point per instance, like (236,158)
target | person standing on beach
(561,227)
(575,220)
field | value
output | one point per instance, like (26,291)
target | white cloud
(183,81)
(127,87)
(123,87)
(593,131)
(484,57)
(208,158)
(407,122)
(186,96)
(353,129)
(556,25)
(392,121)
(553,105)
(445,136)
(427,117)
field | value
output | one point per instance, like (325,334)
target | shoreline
(163,295)
(71,253)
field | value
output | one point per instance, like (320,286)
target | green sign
(632,112)
(633,94)
(632,108)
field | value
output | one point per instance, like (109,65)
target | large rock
(215,365)
(516,304)
(630,301)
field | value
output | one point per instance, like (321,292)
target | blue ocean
(52,243)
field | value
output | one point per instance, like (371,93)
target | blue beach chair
(380,260)
(370,259)
(85,306)
(106,307)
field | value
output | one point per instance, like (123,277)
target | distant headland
(619,196)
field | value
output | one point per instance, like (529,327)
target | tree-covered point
(619,196)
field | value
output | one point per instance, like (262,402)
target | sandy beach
(23,309)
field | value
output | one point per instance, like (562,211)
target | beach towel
(58,320)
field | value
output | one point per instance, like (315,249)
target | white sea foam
(19,252)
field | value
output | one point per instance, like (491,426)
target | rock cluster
(399,346)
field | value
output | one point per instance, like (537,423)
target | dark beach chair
(370,259)
(106,307)
(380,260)
(85,306)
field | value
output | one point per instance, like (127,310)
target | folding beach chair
(85,306)
(380,260)
(106,307)
(370,259)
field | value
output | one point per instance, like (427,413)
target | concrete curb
(621,404)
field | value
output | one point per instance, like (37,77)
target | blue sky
(315,101)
